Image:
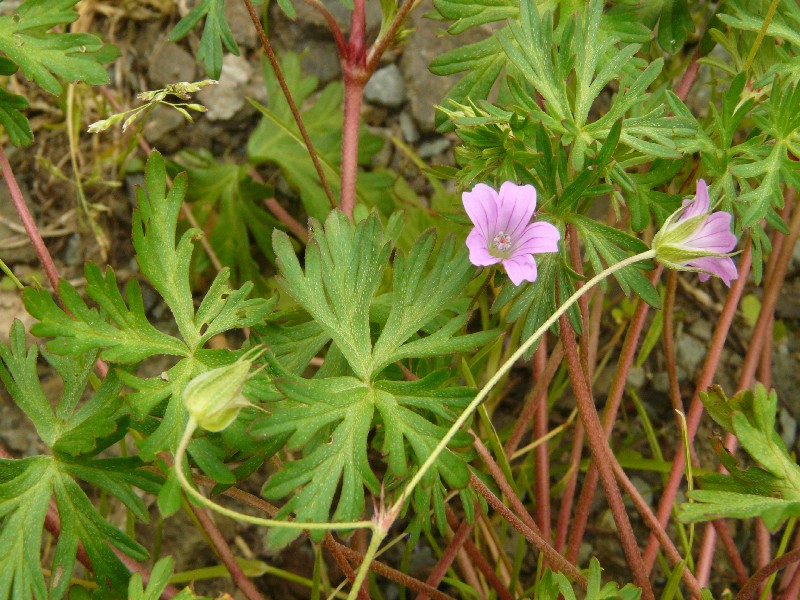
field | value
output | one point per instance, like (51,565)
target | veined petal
(713,235)
(721,266)
(478,250)
(516,206)
(521,268)
(481,204)
(700,204)
(537,238)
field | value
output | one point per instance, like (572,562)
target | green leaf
(216,32)
(121,329)
(223,193)
(16,124)
(772,492)
(44,55)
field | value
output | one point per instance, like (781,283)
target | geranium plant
(422,370)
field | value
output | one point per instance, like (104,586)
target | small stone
(238,17)
(636,377)
(701,329)
(433,147)
(73,254)
(169,63)
(408,128)
(225,99)
(788,427)
(386,87)
(690,352)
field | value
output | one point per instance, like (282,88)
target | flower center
(501,244)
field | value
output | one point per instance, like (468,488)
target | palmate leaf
(44,55)
(13,120)
(76,432)
(352,400)
(216,32)
(119,327)
(771,490)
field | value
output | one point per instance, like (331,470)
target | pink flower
(692,239)
(503,231)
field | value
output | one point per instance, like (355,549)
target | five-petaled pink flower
(503,231)
(692,239)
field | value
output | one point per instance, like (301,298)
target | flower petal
(478,251)
(481,205)
(521,268)
(714,234)
(516,206)
(700,204)
(721,266)
(537,238)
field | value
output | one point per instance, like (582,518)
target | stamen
(502,241)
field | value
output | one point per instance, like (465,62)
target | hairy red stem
(529,409)
(541,456)
(448,556)
(27,221)
(273,60)
(615,393)
(478,559)
(559,562)
(603,457)
(696,407)
(751,587)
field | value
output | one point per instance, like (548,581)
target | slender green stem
(181,452)
(506,367)
(378,535)
(760,37)
(4,268)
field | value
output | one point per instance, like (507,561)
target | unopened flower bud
(214,398)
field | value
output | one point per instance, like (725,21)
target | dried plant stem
(448,556)
(479,561)
(603,457)
(696,407)
(27,221)
(185,210)
(273,60)
(497,474)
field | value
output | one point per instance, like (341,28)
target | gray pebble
(386,87)
(433,147)
(408,128)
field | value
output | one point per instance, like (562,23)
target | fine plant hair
(397,370)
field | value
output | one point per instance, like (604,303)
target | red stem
(354,82)
(568,496)
(751,587)
(27,221)
(223,550)
(529,409)
(479,561)
(649,518)
(696,406)
(603,457)
(497,474)
(273,60)
(732,551)
(559,562)
(448,556)
(689,76)
(615,393)
(541,455)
